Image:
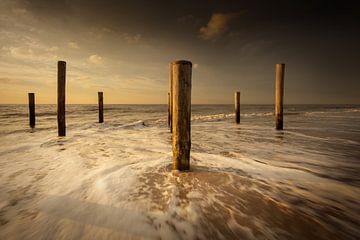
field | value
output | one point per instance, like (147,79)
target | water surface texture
(114,180)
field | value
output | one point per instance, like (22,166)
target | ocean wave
(212,116)
(334,111)
(137,124)
(26,114)
(326,139)
(261,114)
(115,179)
(353,110)
(228,115)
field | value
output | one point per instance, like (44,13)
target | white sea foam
(114,181)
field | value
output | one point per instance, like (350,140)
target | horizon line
(191,104)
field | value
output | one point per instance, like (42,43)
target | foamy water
(114,180)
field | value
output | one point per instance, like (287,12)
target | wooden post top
(61,62)
(181,62)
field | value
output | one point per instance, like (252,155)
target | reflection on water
(280,135)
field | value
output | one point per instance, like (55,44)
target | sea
(113,180)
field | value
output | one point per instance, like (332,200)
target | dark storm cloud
(184,19)
(165,11)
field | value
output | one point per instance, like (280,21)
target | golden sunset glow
(124,49)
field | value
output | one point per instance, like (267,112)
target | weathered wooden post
(32,109)
(237,107)
(61,98)
(171,98)
(181,114)
(169,109)
(101,107)
(280,69)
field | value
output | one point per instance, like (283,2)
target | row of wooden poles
(61,112)
(61,102)
(179,108)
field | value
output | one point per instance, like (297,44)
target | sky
(124,48)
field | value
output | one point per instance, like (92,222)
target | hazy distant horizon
(265,104)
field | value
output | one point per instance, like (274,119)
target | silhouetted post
(181,114)
(61,98)
(171,98)
(32,109)
(280,68)
(237,107)
(101,107)
(169,114)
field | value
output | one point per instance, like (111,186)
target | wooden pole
(237,107)
(32,109)
(61,98)
(280,69)
(101,107)
(171,98)
(169,109)
(181,110)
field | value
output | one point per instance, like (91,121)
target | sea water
(114,180)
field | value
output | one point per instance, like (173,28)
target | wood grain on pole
(32,109)
(169,116)
(280,69)
(237,107)
(101,107)
(181,111)
(61,98)
(171,98)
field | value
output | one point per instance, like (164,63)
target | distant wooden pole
(237,107)
(169,109)
(280,69)
(181,111)
(101,107)
(171,98)
(32,109)
(61,98)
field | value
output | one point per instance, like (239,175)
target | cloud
(137,82)
(106,33)
(16,82)
(73,45)
(31,53)
(95,59)
(84,81)
(217,26)
(101,32)
(19,11)
(131,38)
(6,80)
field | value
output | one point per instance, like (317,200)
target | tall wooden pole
(280,69)
(61,98)
(237,107)
(171,98)
(32,109)
(169,109)
(181,110)
(101,107)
